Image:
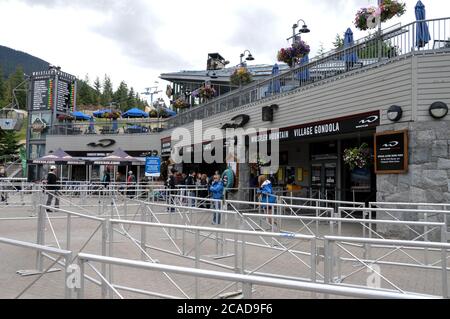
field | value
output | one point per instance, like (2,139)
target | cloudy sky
(137,40)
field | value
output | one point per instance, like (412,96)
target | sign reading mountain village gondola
(330,127)
(391,152)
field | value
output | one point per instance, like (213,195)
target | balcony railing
(371,51)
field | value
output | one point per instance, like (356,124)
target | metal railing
(40,249)
(247,281)
(371,51)
(333,260)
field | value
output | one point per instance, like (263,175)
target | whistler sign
(343,125)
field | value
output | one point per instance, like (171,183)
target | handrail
(409,47)
(248,279)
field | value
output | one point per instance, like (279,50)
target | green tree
(132,101)
(98,90)
(14,80)
(107,94)
(9,143)
(85,92)
(121,96)
(338,41)
(2,89)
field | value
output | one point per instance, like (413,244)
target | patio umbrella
(274,86)
(304,75)
(100,113)
(117,158)
(422,33)
(80,116)
(136,113)
(348,42)
(59,157)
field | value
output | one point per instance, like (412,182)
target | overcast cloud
(137,40)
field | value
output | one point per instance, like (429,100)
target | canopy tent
(135,113)
(119,157)
(80,116)
(58,158)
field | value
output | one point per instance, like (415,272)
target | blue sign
(153,167)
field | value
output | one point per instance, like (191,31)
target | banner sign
(153,167)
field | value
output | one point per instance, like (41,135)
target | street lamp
(304,29)
(249,57)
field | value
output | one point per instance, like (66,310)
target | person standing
(107,178)
(217,195)
(52,188)
(4,195)
(171,184)
(267,197)
(190,187)
(131,181)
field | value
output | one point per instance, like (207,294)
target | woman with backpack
(265,192)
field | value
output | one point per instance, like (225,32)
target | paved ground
(15,223)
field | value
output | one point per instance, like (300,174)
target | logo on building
(38,126)
(102,143)
(238,121)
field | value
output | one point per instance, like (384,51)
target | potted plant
(65,118)
(180,103)
(241,76)
(366,17)
(293,54)
(357,157)
(112,116)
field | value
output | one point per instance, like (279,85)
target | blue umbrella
(348,42)
(135,113)
(168,111)
(101,112)
(304,75)
(422,34)
(80,116)
(274,85)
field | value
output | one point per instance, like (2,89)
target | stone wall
(428,178)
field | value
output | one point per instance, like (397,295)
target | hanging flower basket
(112,115)
(241,76)
(357,157)
(366,17)
(65,118)
(180,103)
(292,55)
(205,92)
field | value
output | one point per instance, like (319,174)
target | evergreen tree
(321,51)
(9,143)
(132,101)
(85,92)
(338,42)
(13,82)
(107,94)
(97,88)
(2,89)
(121,96)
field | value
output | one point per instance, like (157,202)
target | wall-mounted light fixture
(395,113)
(438,110)
(267,113)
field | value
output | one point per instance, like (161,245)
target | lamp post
(248,58)
(304,29)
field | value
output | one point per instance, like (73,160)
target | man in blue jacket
(216,190)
